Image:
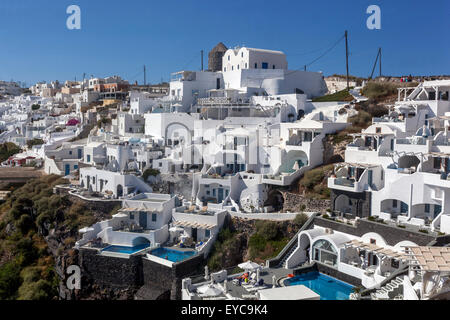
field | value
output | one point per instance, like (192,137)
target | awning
(190,224)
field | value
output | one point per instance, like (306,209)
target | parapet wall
(392,235)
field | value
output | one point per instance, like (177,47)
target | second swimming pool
(172,255)
(327,287)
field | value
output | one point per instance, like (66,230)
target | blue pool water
(127,250)
(172,255)
(328,288)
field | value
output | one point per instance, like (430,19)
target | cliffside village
(181,157)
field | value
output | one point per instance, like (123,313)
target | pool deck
(240,292)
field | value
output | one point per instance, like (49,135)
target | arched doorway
(276,200)
(408,161)
(141,242)
(343,204)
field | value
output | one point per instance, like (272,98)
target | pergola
(430,259)
(377,249)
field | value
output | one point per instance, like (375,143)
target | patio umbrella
(249,265)
(86,229)
(209,290)
(258,276)
(176,229)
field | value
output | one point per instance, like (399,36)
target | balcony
(344,182)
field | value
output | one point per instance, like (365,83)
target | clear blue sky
(119,37)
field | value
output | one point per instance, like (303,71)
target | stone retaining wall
(294,202)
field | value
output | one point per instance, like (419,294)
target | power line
(326,52)
(319,57)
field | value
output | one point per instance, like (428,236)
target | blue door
(143,219)
(67,170)
(403,207)
(79,153)
(220,195)
(370,178)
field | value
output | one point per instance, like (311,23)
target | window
(160,164)
(70,152)
(238,67)
(395,264)
(242,54)
(207,233)
(324,252)
(224,69)
(373,241)
(394,203)
(132,216)
(264,65)
(246,65)
(154,217)
(378,130)
(427,208)
(228,58)
(256,65)
(232,68)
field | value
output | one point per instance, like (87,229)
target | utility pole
(346,56)
(375,64)
(201,53)
(380,60)
(145,76)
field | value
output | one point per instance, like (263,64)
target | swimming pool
(173,255)
(327,287)
(126,250)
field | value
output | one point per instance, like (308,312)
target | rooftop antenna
(201,53)
(145,76)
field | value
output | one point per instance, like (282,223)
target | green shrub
(150,172)
(40,290)
(25,223)
(34,142)
(312,178)
(343,95)
(378,90)
(300,220)
(268,230)
(7,150)
(10,280)
(362,120)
